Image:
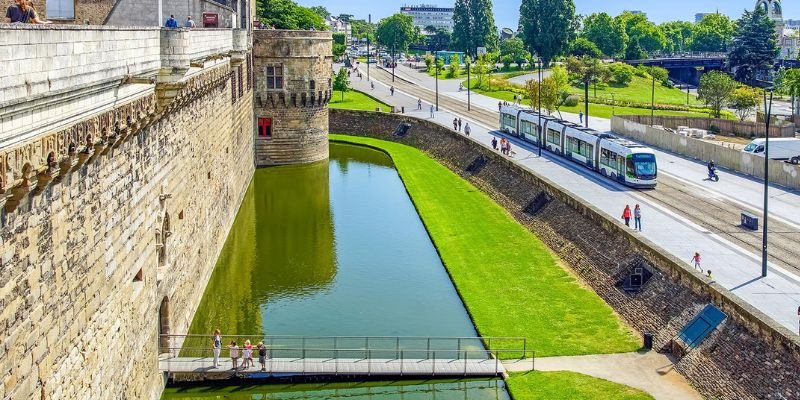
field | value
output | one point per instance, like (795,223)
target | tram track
(716,213)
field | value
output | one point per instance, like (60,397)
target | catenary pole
(764,248)
(540,107)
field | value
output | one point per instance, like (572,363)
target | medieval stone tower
(292,89)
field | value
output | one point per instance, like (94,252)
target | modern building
(699,17)
(338,25)
(425,15)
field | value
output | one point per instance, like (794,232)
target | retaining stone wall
(90,269)
(748,357)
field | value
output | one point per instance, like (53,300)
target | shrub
(572,101)
(642,72)
(621,74)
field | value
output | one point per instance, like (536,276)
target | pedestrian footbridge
(190,357)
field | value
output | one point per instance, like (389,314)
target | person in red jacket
(626,215)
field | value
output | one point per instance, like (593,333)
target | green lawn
(511,284)
(355,100)
(640,91)
(568,386)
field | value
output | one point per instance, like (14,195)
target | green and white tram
(624,161)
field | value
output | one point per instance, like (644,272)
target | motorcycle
(712,175)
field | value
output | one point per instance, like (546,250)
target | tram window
(553,136)
(629,165)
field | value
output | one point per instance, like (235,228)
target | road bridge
(187,356)
(687,67)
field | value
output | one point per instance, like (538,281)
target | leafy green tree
(621,74)
(341,82)
(584,47)
(643,35)
(396,32)
(791,81)
(715,89)
(339,46)
(678,34)
(481,69)
(755,46)
(713,33)
(362,29)
(561,77)
(439,63)
(549,90)
(744,100)
(515,48)
(454,69)
(428,63)
(484,30)
(439,39)
(547,26)
(608,34)
(321,11)
(286,14)
(462,27)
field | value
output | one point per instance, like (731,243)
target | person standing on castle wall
(23,12)
(216,343)
(171,22)
(189,23)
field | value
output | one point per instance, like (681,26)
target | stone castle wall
(747,357)
(120,244)
(299,110)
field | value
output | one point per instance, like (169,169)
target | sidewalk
(738,270)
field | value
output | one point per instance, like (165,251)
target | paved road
(651,372)
(734,265)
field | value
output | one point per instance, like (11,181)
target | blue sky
(506,12)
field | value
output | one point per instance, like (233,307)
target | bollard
(403,109)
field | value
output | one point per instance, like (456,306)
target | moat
(333,249)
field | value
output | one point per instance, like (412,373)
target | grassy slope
(355,100)
(598,110)
(568,386)
(640,91)
(510,282)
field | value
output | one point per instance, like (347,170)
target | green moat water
(333,249)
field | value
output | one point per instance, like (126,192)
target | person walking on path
(419,104)
(234,350)
(580,116)
(499,106)
(190,24)
(391,90)
(467,129)
(432,115)
(459,124)
(626,215)
(216,346)
(455,124)
(372,85)
(637,218)
(171,22)
(502,145)
(696,261)
(508,149)
(494,142)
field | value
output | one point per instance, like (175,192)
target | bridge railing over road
(348,355)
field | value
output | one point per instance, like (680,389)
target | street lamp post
(613,105)
(393,61)
(469,103)
(370,22)
(539,128)
(768,115)
(653,102)
(436,64)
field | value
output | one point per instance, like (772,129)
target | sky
(506,12)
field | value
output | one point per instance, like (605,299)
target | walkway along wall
(780,173)
(748,357)
(744,129)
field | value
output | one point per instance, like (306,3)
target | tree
(713,33)
(484,31)
(396,32)
(755,46)
(744,100)
(547,26)
(439,39)
(584,47)
(678,34)
(428,63)
(715,89)
(339,46)
(341,82)
(514,48)
(454,69)
(481,71)
(561,77)
(549,92)
(791,81)
(462,27)
(321,11)
(606,33)
(286,14)
(362,29)
(621,74)
(643,35)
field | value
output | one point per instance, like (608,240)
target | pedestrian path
(778,295)
(651,372)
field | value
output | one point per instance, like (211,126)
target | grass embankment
(640,90)
(355,100)
(568,386)
(511,284)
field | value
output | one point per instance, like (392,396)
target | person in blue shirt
(171,22)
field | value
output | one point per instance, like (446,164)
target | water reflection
(493,389)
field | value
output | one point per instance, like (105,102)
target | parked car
(779,149)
